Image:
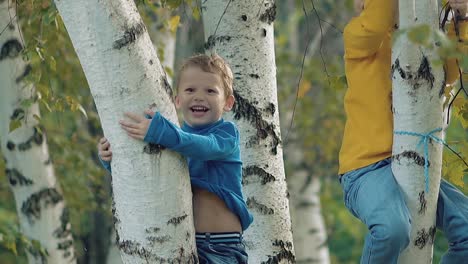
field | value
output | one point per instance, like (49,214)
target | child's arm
(363,35)
(215,146)
(105,153)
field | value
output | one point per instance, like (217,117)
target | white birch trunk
(242,33)
(417,107)
(39,201)
(309,233)
(151,187)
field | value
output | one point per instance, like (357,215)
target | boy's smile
(201,97)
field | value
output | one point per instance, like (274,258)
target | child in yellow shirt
(370,190)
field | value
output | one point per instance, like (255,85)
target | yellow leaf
(174,23)
(459,101)
(196,13)
(304,87)
(11,245)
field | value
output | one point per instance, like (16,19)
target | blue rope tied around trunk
(424,139)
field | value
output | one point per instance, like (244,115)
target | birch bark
(39,200)
(151,187)
(417,108)
(242,33)
(309,233)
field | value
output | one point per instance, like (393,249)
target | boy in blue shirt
(211,146)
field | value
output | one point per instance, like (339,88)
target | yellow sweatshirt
(368,134)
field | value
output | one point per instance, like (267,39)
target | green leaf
(50,16)
(14,124)
(420,34)
(27,103)
(46,104)
(53,64)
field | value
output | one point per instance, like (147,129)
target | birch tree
(151,187)
(418,127)
(242,33)
(309,234)
(39,200)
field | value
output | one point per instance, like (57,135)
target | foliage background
(311,87)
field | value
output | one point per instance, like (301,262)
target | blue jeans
(221,248)
(373,195)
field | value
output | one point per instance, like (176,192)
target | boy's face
(201,97)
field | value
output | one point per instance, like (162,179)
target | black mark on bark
(153,148)
(269,15)
(424,72)
(244,109)
(26,72)
(63,231)
(167,87)
(305,204)
(48,161)
(244,17)
(177,220)
(11,49)
(261,208)
(211,42)
(37,138)
(134,248)
(15,177)
(412,155)
(253,75)
(158,239)
(115,217)
(31,208)
(271,108)
(257,171)
(285,253)
(130,35)
(424,237)
(264,32)
(18,114)
(11,146)
(422,203)
(152,230)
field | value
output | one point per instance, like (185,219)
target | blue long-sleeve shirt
(213,155)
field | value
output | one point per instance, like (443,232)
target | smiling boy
(211,146)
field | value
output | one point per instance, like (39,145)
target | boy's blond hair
(212,64)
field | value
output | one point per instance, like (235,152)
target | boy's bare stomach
(211,215)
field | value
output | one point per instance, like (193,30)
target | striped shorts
(221,248)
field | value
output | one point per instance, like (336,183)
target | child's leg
(220,248)
(452,219)
(372,195)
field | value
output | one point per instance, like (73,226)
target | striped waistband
(219,238)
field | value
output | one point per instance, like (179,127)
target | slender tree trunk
(417,108)
(293,27)
(151,187)
(242,33)
(163,38)
(39,200)
(309,234)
